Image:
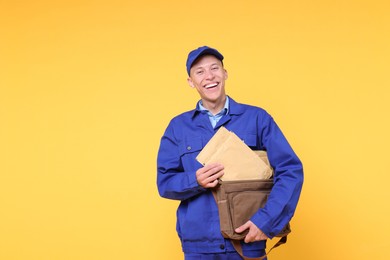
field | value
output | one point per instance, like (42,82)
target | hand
(208,175)
(254,234)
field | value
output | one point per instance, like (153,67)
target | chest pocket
(191,145)
(250,140)
(189,149)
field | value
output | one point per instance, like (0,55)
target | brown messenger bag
(237,202)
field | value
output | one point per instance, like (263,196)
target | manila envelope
(240,162)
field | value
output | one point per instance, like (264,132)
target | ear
(190,82)
(226,74)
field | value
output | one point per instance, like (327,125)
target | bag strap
(238,247)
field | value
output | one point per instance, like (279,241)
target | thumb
(242,228)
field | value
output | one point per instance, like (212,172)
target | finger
(208,181)
(242,228)
(213,179)
(257,234)
(212,175)
(209,170)
(252,232)
(212,184)
(218,174)
(250,237)
(213,168)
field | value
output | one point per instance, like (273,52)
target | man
(181,177)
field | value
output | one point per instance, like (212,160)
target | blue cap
(195,54)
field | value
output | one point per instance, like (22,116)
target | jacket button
(222,246)
(189,148)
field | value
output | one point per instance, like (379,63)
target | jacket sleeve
(172,181)
(288,180)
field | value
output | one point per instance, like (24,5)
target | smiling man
(181,177)
(208,76)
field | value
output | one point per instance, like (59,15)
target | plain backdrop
(87,88)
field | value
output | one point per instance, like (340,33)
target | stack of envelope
(240,162)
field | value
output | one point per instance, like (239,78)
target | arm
(288,180)
(173,181)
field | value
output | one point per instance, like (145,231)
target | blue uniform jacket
(197,215)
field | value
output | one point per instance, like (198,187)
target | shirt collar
(224,110)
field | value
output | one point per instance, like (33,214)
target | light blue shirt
(215,118)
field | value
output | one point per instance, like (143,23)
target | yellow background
(88,87)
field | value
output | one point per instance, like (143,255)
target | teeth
(211,85)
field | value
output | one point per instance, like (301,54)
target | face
(208,76)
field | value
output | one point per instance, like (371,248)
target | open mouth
(211,85)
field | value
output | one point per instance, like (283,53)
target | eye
(215,68)
(199,72)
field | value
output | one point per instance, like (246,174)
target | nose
(209,74)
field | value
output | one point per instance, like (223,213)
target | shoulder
(183,117)
(241,108)
(180,122)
